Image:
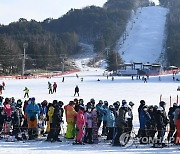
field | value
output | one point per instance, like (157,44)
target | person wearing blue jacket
(110,122)
(104,129)
(32,111)
(100,112)
(144,119)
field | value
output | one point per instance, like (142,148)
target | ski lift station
(138,68)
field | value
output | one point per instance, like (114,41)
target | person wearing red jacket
(80,125)
(54,87)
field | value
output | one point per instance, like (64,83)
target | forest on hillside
(52,41)
(173,30)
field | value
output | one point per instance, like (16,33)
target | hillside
(144,37)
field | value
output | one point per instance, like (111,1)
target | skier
(70,119)
(1,88)
(13,103)
(144,119)
(55,115)
(50,88)
(95,123)
(26,90)
(76,90)
(54,87)
(142,104)
(63,79)
(3,84)
(100,112)
(2,118)
(177,124)
(80,125)
(89,123)
(129,118)
(7,113)
(104,129)
(161,121)
(171,114)
(32,111)
(120,125)
(110,122)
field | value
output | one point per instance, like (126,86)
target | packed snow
(105,89)
(146,40)
(144,36)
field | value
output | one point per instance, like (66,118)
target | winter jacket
(7,110)
(110,118)
(57,118)
(176,115)
(70,114)
(26,90)
(139,110)
(88,119)
(80,122)
(32,110)
(54,85)
(50,113)
(105,113)
(120,120)
(144,118)
(100,111)
(13,105)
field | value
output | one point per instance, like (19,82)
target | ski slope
(105,89)
(148,44)
(144,36)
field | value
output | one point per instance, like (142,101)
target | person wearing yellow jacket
(49,123)
(70,119)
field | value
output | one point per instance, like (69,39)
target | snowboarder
(54,87)
(26,90)
(76,90)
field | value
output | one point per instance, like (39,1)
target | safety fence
(170,100)
(37,76)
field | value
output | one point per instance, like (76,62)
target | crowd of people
(29,120)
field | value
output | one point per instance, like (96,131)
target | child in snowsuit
(80,124)
(89,121)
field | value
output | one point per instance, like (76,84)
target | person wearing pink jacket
(80,125)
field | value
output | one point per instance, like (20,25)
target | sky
(12,10)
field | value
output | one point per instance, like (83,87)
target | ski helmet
(142,102)
(162,103)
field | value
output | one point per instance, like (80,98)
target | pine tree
(113,61)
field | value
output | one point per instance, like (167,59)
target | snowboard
(95,127)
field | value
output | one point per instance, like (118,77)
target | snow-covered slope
(145,37)
(105,89)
